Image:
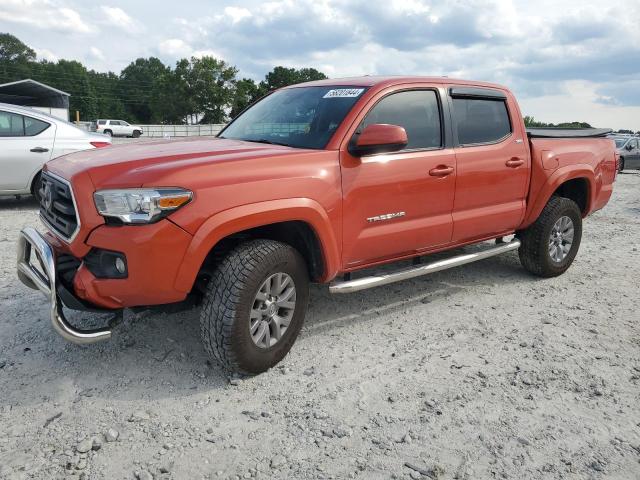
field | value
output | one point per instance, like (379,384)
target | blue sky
(566,60)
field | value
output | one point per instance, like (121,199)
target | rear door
(115,127)
(397,203)
(26,143)
(493,162)
(633,159)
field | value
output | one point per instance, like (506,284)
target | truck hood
(156,162)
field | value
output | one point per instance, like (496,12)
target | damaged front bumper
(37,269)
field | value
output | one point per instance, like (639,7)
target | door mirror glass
(379,138)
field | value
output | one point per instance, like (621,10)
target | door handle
(39,150)
(441,171)
(514,162)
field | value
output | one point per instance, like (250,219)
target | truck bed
(567,132)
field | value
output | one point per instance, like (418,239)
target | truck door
(493,163)
(398,203)
(26,144)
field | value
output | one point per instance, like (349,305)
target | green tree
(209,83)
(533,123)
(282,76)
(142,85)
(15,59)
(13,50)
(246,91)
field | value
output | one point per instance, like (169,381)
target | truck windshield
(303,117)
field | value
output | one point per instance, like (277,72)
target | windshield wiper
(269,142)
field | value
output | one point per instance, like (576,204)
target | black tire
(136,134)
(36,186)
(621,165)
(534,251)
(108,132)
(231,292)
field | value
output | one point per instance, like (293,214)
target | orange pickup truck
(316,182)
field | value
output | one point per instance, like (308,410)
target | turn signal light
(173,202)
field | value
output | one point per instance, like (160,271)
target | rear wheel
(551,243)
(108,132)
(254,307)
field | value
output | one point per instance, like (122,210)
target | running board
(348,286)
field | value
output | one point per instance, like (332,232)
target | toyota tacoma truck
(316,182)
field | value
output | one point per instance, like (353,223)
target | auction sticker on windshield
(344,93)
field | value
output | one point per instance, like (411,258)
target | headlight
(140,205)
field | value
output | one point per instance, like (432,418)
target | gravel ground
(477,372)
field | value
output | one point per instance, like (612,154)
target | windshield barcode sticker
(344,93)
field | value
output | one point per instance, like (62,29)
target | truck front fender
(254,215)
(539,195)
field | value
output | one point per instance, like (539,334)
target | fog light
(120,266)
(106,264)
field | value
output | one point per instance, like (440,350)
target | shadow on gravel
(329,311)
(13,203)
(156,355)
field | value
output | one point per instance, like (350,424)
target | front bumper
(37,270)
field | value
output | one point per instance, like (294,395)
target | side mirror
(379,138)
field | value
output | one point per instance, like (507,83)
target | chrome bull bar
(32,247)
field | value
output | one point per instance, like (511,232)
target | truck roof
(387,81)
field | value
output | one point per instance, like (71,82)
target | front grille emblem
(47,197)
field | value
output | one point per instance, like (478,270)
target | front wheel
(551,243)
(36,187)
(621,165)
(254,306)
(136,134)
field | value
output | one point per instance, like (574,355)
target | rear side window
(416,110)
(11,125)
(34,127)
(102,122)
(481,120)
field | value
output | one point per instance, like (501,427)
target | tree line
(195,90)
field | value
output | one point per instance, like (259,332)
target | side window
(11,125)
(102,122)
(480,120)
(34,127)
(416,110)
(114,122)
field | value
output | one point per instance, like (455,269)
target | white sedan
(28,139)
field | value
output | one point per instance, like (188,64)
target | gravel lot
(473,373)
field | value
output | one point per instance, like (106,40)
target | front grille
(57,207)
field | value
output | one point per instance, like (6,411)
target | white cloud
(44,54)
(44,15)
(237,14)
(579,101)
(117,17)
(96,54)
(175,47)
